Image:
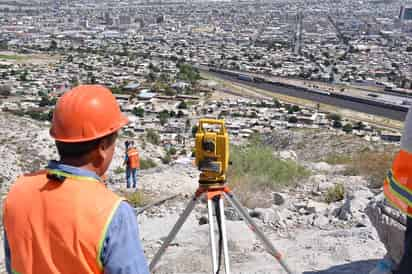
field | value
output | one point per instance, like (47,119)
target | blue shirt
(122,252)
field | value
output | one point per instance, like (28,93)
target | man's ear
(104,144)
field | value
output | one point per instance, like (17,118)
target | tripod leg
(212,236)
(269,246)
(224,236)
(173,232)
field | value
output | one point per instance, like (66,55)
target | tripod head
(212,152)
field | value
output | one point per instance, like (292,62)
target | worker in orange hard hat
(63,219)
(132,162)
(398,193)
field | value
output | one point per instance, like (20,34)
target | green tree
(347,128)
(24,76)
(187,125)
(151,77)
(188,73)
(194,130)
(359,125)
(180,114)
(152,137)
(334,117)
(163,117)
(169,91)
(293,109)
(182,105)
(138,111)
(277,103)
(172,151)
(293,120)
(337,124)
(53,45)
(74,81)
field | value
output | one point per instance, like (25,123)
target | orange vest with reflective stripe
(57,227)
(133,157)
(398,183)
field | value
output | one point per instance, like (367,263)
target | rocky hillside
(320,225)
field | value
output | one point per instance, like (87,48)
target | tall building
(405,13)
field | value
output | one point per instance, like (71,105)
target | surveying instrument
(212,159)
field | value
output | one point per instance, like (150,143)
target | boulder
(231,214)
(279,198)
(390,225)
(316,207)
(288,155)
(355,204)
(320,183)
(321,167)
(321,221)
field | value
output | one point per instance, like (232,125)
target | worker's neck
(79,163)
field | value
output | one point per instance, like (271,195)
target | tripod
(216,192)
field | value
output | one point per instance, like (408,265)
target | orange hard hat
(86,113)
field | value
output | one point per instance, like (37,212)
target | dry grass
(147,163)
(371,164)
(255,172)
(338,159)
(335,194)
(136,198)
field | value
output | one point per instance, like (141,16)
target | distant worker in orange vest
(398,192)
(63,219)
(132,162)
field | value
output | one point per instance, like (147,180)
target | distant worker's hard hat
(86,113)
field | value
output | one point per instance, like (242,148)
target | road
(324,99)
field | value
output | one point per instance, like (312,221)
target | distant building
(405,13)
(125,20)
(108,19)
(160,19)
(84,23)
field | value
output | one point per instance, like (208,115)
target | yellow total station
(212,151)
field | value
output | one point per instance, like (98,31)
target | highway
(324,99)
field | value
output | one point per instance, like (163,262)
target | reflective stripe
(399,190)
(396,206)
(71,176)
(103,237)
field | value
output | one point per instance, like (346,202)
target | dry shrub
(147,163)
(335,194)
(338,159)
(250,193)
(135,198)
(255,172)
(373,165)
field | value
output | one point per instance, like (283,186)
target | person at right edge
(63,220)
(398,193)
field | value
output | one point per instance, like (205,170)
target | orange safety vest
(398,183)
(57,227)
(133,157)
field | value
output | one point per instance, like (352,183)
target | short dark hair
(81,149)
